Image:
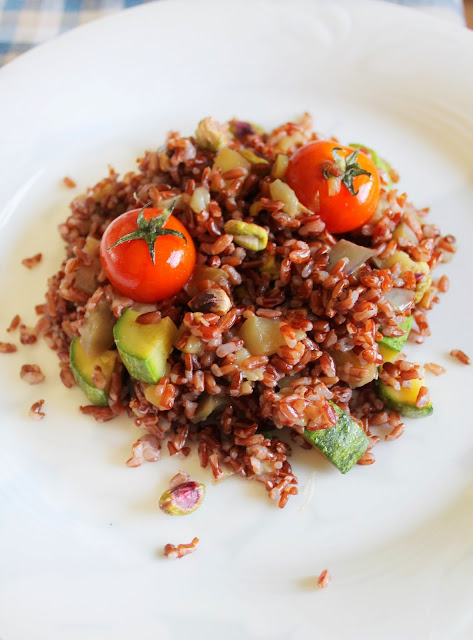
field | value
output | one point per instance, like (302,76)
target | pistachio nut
(211,135)
(183,499)
(213,300)
(247,235)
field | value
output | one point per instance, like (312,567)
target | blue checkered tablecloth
(26,23)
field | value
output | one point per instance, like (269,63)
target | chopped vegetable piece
(252,157)
(343,444)
(404,401)
(282,192)
(390,346)
(400,299)
(228,159)
(420,269)
(263,336)
(83,368)
(355,255)
(352,370)
(280,166)
(207,405)
(96,335)
(144,348)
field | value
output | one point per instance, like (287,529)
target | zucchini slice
(82,367)
(390,346)
(144,348)
(343,444)
(404,400)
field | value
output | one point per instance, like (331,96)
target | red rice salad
(245,285)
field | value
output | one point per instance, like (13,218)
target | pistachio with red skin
(183,499)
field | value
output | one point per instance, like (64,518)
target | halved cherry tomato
(339,183)
(148,255)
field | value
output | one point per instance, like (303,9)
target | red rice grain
(434,368)
(14,324)
(181,477)
(366,459)
(69,182)
(423,398)
(396,432)
(31,373)
(460,355)
(443,284)
(146,449)
(324,579)
(175,552)
(7,347)
(32,262)
(36,412)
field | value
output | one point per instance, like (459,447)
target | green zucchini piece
(144,348)
(390,346)
(378,161)
(404,400)
(343,444)
(82,367)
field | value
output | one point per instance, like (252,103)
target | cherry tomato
(148,255)
(339,183)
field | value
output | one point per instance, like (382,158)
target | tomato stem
(150,230)
(344,168)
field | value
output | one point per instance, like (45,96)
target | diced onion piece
(280,166)
(357,255)
(281,191)
(400,299)
(174,201)
(200,199)
(333,184)
(404,232)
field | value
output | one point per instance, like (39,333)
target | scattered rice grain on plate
(324,579)
(175,552)
(14,324)
(443,284)
(27,335)
(396,432)
(146,449)
(36,411)
(8,347)
(460,355)
(29,263)
(31,373)
(366,459)
(436,369)
(69,182)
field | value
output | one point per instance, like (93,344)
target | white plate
(81,537)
